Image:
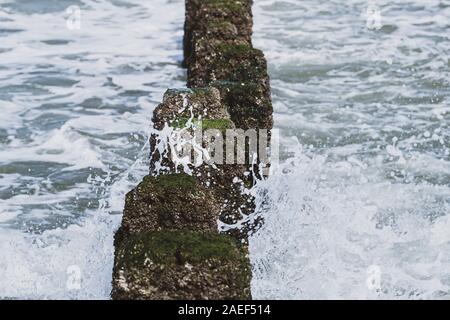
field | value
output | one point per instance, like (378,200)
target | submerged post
(184,229)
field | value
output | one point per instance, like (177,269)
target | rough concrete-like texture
(169,245)
(240,72)
(216,19)
(181,265)
(232,62)
(206,105)
(248,104)
(172,202)
(197,103)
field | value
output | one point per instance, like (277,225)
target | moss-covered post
(179,237)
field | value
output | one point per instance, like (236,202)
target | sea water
(358,206)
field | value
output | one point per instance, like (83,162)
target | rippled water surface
(359,206)
(75,111)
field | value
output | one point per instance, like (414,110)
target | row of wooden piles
(181,236)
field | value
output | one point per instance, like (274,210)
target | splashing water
(360,206)
(76,108)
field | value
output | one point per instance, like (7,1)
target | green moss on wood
(219,24)
(220,124)
(236,49)
(178,247)
(200,92)
(229,5)
(181,265)
(238,62)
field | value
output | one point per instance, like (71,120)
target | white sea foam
(364,189)
(76,108)
(361,192)
(323,231)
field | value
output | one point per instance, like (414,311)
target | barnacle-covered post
(184,230)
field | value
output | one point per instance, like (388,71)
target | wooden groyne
(184,228)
